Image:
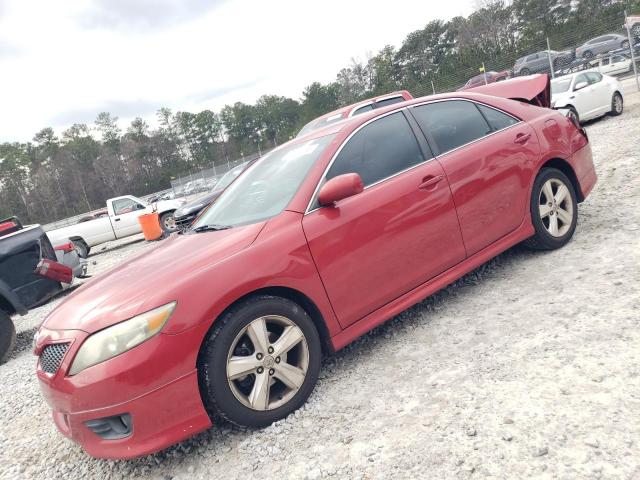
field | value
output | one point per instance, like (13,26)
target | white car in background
(614,64)
(587,95)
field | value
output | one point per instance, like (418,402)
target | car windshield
(266,188)
(560,86)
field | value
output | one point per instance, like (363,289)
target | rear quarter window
(497,120)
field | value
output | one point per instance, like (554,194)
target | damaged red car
(316,243)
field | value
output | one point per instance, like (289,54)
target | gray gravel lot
(527,367)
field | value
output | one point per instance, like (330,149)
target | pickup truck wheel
(167,222)
(81,248)
(7,336)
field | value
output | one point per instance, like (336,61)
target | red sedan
(315,244)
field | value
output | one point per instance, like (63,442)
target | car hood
(201,200)
(534,89)
(147,281)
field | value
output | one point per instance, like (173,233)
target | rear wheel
(81,248)
(260,362)
(554,210)
(7,336)
(617,104)
(525,71)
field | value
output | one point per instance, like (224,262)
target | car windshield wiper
(210,228)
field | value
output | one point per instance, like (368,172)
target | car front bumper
(145,384)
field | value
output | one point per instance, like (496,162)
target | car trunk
(534,89)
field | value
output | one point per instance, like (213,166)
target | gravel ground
(527,367)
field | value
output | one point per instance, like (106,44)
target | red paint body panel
(490,183)
(392,230)
(360,261)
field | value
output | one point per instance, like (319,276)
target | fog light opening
(111,428)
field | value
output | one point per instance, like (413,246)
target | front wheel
(167,222)
(7,336)
(554,210)
(617,104)
(260,362)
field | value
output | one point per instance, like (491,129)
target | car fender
(12,299)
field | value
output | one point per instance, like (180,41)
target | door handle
(116,219)
(429,182)
(522,138)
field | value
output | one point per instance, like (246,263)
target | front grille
(185,222)
(51,357)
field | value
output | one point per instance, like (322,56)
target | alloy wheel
(169,223)
(556,207)
(617,104)
(267,362)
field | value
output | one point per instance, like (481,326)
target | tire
(574,114)
(565,223)
(81,248)
(167,222)
(617,104)
(524,71)
(233,399)
(7,336)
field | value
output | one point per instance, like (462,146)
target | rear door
(398,233)
(488,157)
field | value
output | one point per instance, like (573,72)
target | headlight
(121,337)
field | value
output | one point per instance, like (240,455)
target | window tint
(593,77)
(389,101)
(497,120)
(532,57)
(366,108)
(452,123)
(381,149)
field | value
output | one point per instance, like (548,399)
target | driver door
(400,232)
(125,216)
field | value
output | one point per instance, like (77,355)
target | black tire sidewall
(7,336)
(81,248)
(162,226)
(542,237)
(217,395)
(613,109)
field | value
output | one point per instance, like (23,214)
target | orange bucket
(150,223)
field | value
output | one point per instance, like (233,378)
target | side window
(593,77)
(380,149)
(497,120)
(581,78)
(451,123)
(366,108)
(388,101)
(124,205)
(532,57)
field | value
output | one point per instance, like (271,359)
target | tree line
(56,176)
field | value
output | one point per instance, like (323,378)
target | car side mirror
(579,86)
(339,188)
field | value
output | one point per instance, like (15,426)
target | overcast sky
(64,61)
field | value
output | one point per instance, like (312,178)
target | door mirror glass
(339,188)
(580,85)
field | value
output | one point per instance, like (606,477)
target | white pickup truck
(121,221)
